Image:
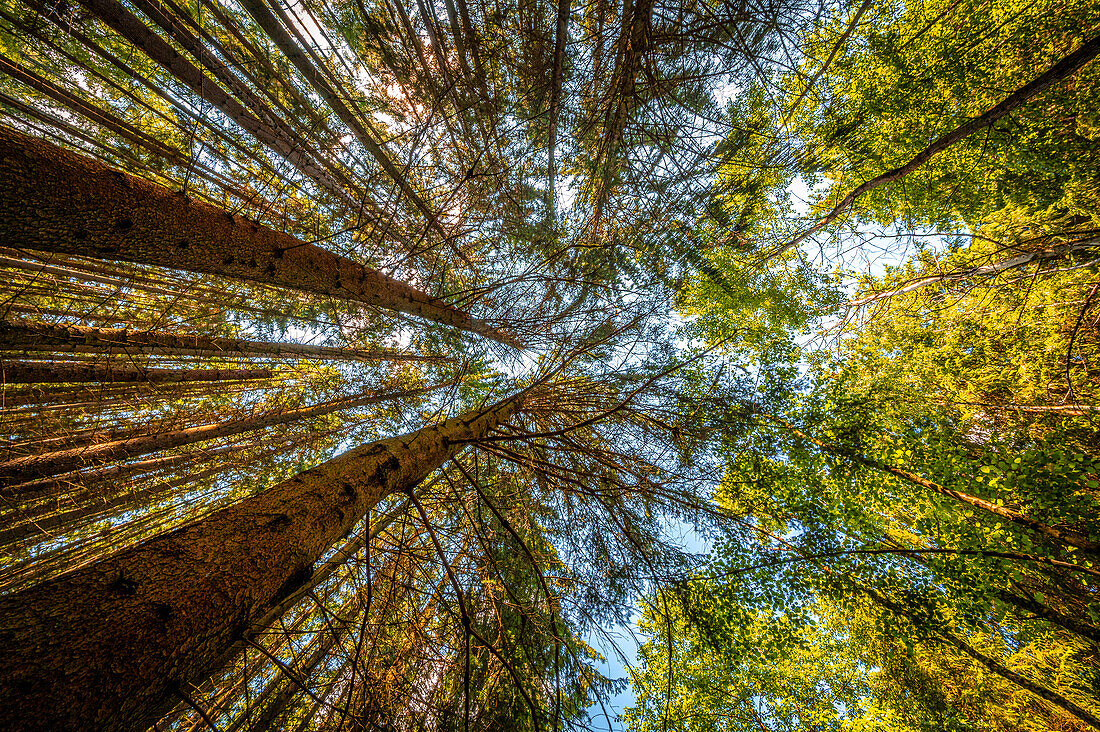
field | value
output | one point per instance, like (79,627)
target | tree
(374,197)
(178,601)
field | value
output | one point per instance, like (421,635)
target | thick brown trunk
(22,372)
(103,647)
(55,200)
(34,337)
(44,465)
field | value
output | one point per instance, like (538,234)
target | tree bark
(56,484)
(53,338)
(990,663)
(103,647)
(986,271)
(253,116)
(55,200)
(22,372)
(44,465)
(561,31)
(1022,681)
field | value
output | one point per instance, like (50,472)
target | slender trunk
(34,525)
(55,200)
(425,71)
(475,48)
(53,338)
(18,400)
(252,116)
(277,32)
(990,663)
(1060,71)
(840,42)
(40,268)
(1030,604)
(1062,537)
(103,647)
(560,34)
(1023,682)
(22,372)
(44,465)
(988,270)
(81,490)
(633,42)
(101,117)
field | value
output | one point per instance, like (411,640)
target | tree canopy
(364,362)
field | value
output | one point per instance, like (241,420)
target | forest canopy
(372,365)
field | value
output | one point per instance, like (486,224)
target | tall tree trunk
(277,32)
(104,647)
(990,663)
(44,465)
(56,484)
(52,338)
(561,31)
(55,200)
(253,116)
(22,372)
(985,271)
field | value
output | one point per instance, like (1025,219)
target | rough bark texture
(55,200)
(34,337)
(22,372)
(103,647)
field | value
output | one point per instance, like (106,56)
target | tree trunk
(44,465)
(55,200)
(985,271)
(560,36)
(253,116)
(52,338)
(103,647)
(1023,682)
(278,33)
(990,663)
(22,372)
(57,484)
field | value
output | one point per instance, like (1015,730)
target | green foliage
(915,71)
